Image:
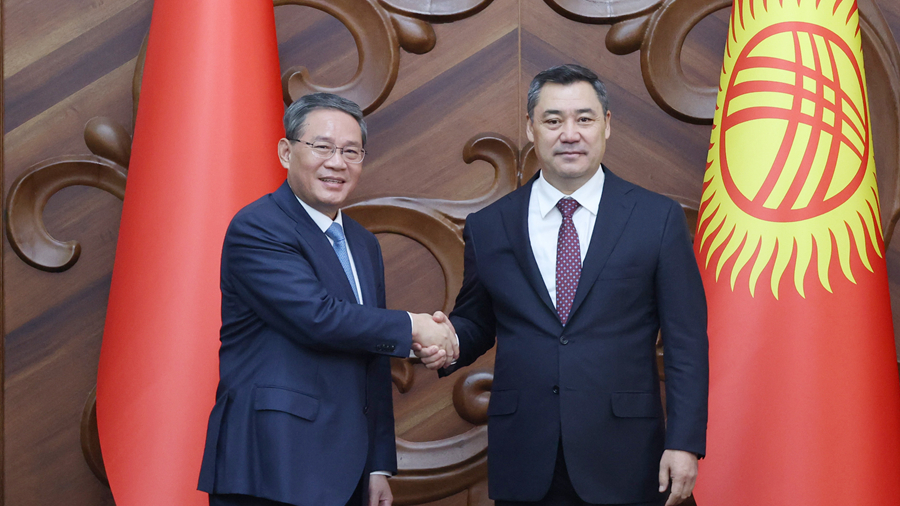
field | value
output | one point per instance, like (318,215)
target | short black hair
(296,113)
(569,73)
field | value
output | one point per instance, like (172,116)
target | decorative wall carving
(380,29)
(90,439)
(587,11)
(29,193)
(433,470)
(437,223)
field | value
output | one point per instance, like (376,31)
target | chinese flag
(804,391)
(204,146)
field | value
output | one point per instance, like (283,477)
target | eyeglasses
(325,149)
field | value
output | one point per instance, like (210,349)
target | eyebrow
(331,140)
(550,112)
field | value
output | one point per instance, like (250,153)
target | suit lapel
(612,215)
(515,222)
(361,256)
(323,257)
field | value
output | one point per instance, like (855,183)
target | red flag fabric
(204,146)
(804,405)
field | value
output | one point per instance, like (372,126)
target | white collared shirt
(544,220)
(323,222)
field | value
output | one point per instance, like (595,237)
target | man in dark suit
(575,273)
(303,411)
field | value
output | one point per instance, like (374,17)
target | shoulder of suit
(522,192)
(261,210)
(645,196)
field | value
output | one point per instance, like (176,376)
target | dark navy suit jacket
(593,383)
(303,408)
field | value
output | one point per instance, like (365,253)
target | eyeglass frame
(334,149)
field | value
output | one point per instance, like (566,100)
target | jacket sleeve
(277,281)
(383,444)
(682,312)
(473,316)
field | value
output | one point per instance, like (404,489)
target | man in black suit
(303,411)
(575,273)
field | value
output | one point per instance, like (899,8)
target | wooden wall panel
(67,61)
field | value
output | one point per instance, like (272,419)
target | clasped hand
(434,340)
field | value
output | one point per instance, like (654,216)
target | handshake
(434,340)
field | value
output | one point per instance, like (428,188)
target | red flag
(804,392)
(204,146)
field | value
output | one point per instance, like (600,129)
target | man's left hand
(681,467)
(379,491)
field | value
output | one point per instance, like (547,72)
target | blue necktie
(336,233)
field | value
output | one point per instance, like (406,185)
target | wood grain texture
(2,285)
(68,61)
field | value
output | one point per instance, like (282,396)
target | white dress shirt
(544,220)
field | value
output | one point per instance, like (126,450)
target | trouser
(562,493)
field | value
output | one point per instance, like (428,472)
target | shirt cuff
(412,330)
(382,473)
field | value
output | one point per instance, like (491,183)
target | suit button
(555,389)
(563,340)
(365,410)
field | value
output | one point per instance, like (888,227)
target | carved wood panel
(443,85)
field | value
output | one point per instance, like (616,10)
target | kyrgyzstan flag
(804,392)
(204,146)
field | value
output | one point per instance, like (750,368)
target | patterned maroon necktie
(568,259)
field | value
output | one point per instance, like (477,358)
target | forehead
(333,125)
(564,98)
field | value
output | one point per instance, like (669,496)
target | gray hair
(296,113)
(565,75)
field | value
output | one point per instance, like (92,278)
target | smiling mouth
(331,180)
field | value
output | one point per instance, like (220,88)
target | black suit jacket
(303,408)
(593,383)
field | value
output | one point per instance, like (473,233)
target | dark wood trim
(2,278)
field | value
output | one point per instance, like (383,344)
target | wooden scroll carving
(437,223)
(28,194)
(90,439)
(433,470)
(380,29)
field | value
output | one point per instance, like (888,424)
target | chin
(574,173)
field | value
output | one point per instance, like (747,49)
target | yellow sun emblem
(790,178)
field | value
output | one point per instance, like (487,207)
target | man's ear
(284,152)
(529,128)
(608,118)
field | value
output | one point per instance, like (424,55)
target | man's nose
(569,132)
(336,160)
